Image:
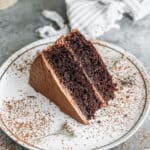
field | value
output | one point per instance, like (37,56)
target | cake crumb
(98,121)
(125,115)
(33,97)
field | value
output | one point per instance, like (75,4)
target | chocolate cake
(92,63)
(73,75)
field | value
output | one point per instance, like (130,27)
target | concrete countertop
(17,25)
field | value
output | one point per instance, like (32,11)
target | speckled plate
(36,123)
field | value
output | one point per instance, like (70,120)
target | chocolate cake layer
(92,63)
(72,77)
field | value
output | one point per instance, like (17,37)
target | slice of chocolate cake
(57,75)
(92,63)
(72,75)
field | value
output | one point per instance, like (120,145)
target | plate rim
(138,64)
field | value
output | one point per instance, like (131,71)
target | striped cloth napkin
(93,17)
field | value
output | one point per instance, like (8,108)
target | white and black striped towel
(93,17)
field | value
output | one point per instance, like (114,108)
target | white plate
(33,121)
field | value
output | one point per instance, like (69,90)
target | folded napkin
(93,17)
(137,8)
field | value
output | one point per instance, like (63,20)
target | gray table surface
(17,25)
